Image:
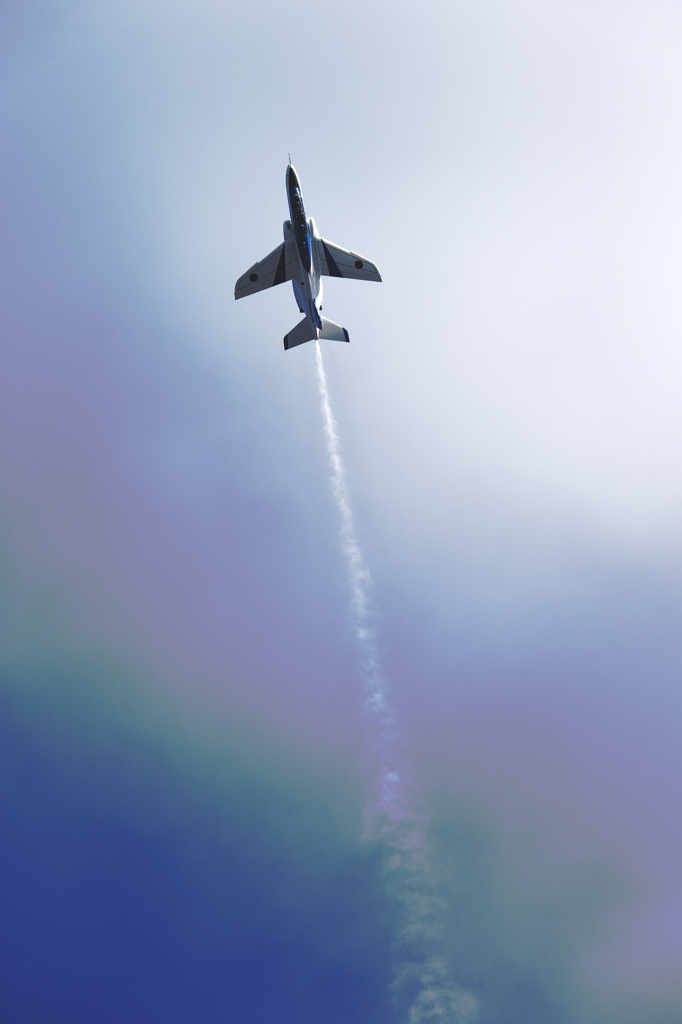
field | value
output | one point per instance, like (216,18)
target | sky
(183,765)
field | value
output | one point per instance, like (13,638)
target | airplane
(303,258)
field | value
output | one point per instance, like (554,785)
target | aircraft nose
(292,177)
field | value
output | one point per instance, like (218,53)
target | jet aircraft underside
(304,258)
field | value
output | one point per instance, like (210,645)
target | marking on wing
(331,263)
(281,273)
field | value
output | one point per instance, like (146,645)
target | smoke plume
(423,981)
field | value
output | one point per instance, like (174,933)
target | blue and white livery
(304,258)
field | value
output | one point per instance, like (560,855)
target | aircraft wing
(269,272)
(337,262)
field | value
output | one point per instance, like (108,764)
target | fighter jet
(303,258)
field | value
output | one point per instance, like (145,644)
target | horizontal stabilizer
(302,332)
(332,332)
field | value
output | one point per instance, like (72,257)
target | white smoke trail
(423,976)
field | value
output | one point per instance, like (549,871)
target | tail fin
(302,332)
(332,331)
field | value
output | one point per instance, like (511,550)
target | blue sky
(183,761)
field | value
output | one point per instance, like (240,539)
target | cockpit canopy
(300,223)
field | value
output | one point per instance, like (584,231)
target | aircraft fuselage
(306,283)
